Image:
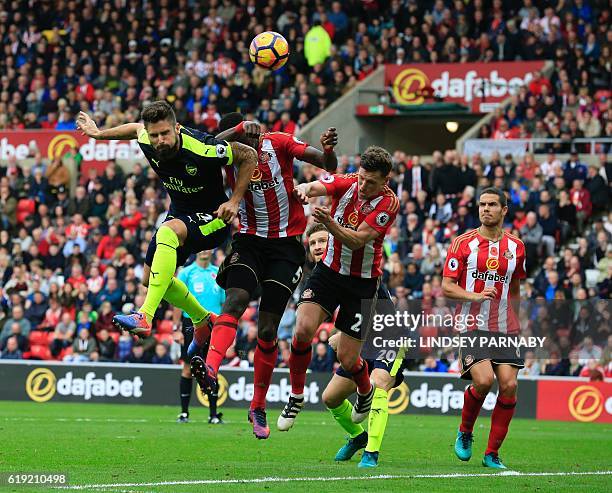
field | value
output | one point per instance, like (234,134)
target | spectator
(287,322)
(17,316)
(589,351)
(63,335)
(550,227)
(598,189)
(531,234)
(108,244)
(432,365)
(16,334)
(582,200)
(317,45)
(161,356)
(574,169)
(138,355)
(11,349)
(532,365)
(58,175)
(323,360)
(36,309)
(82,347)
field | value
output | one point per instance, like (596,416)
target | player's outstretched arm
(245,159)
(306,191)
(453,291)
(88,127)
(248,128)
(354,240)
(327,159)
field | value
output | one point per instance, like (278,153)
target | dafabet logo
(586,403)
(42,384)
(223,386)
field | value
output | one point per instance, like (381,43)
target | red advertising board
(479,86)
(52,143)
(567,400)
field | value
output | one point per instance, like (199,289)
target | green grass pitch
(125,448)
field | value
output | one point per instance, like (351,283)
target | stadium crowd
(110,58)
(69,261)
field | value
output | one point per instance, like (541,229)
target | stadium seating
(201,89)
(165,327)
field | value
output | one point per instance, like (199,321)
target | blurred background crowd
(70,258)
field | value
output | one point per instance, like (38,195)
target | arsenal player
(363,209)
(483,270)
(267,251)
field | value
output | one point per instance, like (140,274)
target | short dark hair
(230,120)
(377,159)
(315,228)
(158,111)
(496,191)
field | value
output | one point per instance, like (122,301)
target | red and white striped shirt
(269,209)
(476,263)
(348,211)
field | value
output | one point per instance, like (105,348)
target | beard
(166,152)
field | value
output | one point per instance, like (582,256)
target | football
(269,50)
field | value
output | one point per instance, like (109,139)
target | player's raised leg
(482,376)
(309,317)
(335,399)
(168,238)
(502,414)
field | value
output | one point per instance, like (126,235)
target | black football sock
(186,385)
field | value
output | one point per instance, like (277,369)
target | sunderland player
(200,279)
(385,375)
(483,270)
(267,251)
(363,209)
(189,164)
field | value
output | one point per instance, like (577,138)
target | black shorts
(471,356)
(394,368)
(196,241)
(187,330)
(278,260)
(331,290)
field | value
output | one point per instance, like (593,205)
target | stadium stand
(70,260)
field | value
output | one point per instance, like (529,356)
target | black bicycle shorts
(278,260)
(331,290)
(200,236)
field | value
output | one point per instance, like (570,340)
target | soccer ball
(269,50)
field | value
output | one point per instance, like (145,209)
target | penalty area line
(272,479)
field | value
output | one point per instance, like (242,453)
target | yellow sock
(377,420)
(162,270)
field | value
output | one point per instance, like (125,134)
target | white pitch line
(333,479)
